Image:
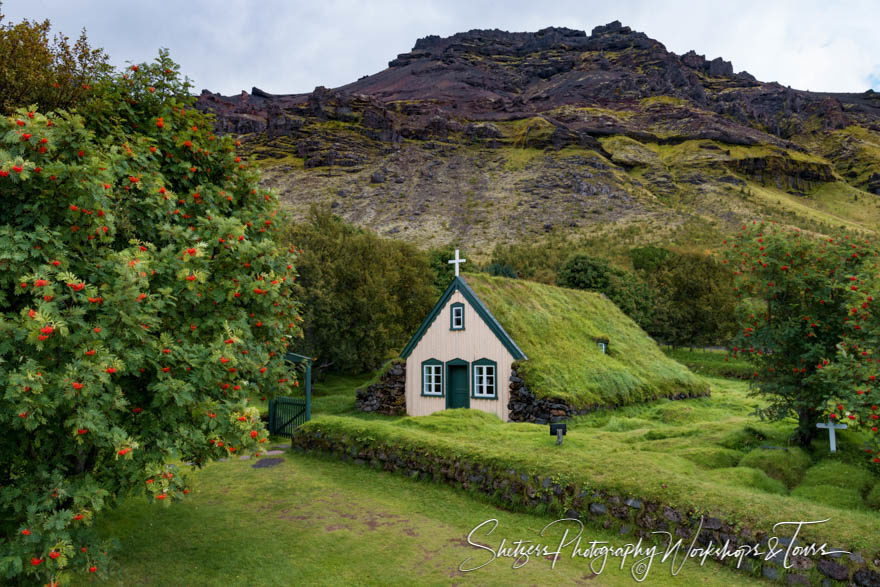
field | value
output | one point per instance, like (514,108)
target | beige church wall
(475,342)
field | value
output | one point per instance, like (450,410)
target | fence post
(308,390)
(271,416)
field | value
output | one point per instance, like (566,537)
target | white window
(603,347)
(432,380)
(484,381)
(457,317)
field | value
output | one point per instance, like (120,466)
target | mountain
(489,136)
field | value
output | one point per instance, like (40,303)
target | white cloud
(294,46)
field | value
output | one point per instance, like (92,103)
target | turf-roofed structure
(567,346)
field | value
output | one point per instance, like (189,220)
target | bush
(143,297)
(814,310)
(648,258)
(536,261)
(695,301)
(501,270)
(787,466)
(442,270)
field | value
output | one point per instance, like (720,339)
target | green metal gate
(288,413)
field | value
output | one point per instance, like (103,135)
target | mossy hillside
(614,452)
(684,193)
(854,150)
(527,132)
(557,329)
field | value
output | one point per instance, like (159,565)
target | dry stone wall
(386,396)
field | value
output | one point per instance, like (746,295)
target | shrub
(648,258)
(143,296)
(442,270)
(626,290)
(694,301)
(501,270)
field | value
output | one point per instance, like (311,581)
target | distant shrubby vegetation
(627,291)
(681,299)
(362,294)
(47,74)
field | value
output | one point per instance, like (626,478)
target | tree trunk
(806,429)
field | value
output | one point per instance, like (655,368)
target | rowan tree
(143,297)
(802,298)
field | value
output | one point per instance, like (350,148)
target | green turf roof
(557,329)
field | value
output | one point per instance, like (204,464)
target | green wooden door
(459,396)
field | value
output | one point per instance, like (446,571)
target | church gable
(457,312)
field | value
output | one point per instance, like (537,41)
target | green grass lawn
(709,454)
(315,521)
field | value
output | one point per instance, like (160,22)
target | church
(572,346)
(460,357)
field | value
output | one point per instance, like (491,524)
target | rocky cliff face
(488,136)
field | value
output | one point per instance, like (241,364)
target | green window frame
(456,316)
(432,378)
(484,383)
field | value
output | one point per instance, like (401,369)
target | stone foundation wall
(524,406)
(631,516)
(386,396)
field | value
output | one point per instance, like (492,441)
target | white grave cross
(832,428)
(457,261)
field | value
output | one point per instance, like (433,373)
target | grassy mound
(713,457)
(836,474)
(748,478)
(786,465)
(873,497)
(839,497)
(557,329)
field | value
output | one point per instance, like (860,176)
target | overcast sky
(293,46)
